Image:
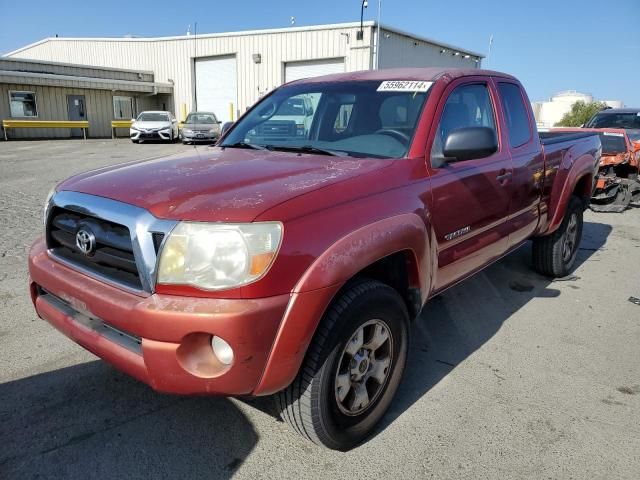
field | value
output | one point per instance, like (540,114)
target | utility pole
(490,45)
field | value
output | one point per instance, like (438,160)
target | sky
(592,46)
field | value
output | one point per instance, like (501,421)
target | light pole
(378,35)
(360,35)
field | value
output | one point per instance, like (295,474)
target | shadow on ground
(458,322)
(91,421)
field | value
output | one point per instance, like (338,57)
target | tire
(555,254)
(135,141)
(312,404)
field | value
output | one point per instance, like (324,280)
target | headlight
(47,205)
(215,256)
(187,131)
(134,128)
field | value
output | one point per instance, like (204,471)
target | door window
(467,106)
(515,114)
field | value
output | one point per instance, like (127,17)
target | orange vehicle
(617,184)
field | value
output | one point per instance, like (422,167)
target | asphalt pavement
(511,375)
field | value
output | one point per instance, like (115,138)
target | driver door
(470,199)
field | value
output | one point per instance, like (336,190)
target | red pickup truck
(292,262)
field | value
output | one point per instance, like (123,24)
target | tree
(580,113)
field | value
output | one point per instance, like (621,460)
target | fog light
(222,350)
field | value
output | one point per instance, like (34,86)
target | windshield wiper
(305,149)
(244,145)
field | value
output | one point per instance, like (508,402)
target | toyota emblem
(85,241)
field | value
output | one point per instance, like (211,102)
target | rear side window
(515,114)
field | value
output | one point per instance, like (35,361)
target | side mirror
(226,126)
(470,143)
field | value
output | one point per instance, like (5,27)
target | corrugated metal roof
(252,32)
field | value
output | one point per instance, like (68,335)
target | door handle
(504,176)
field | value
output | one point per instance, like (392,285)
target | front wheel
(352,369)
(555,254)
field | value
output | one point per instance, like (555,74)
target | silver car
(200,127)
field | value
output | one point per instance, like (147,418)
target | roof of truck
(419,74)
(618,110)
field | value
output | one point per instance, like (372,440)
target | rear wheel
(352,369)
(555,254)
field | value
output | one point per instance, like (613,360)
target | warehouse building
(227,72)
(40,90)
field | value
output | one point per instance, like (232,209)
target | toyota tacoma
(294,266)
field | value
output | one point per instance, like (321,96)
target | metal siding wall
(52,105)
(400,51)
(173,58)
(80,71)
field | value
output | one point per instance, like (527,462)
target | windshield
(614,120)
(613,143)
(206,118)
(153,117)
(351,118)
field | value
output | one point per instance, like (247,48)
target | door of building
(77,110)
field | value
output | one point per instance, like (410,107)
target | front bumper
(162,340)
(199,137)
(157,135)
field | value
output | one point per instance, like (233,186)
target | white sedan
(154,126)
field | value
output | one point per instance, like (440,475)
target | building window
(23,104)
(123,108)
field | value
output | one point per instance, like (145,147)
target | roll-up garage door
(313,68)
(217,86)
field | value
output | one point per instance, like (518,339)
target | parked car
(154,125)
(295,268)
(293,119)
(627,118)
(200,127)
(617,183)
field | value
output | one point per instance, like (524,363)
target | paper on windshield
(404,86)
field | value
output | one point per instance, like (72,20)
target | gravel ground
(510,376)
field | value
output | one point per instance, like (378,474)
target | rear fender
(324,278)
(568,176)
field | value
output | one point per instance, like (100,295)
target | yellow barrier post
(83,124)
(231,111)
(119,124)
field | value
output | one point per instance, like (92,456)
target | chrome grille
(127,239)
(113,253)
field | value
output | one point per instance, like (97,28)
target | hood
(151,125)
(608,159)
(200,126)
(234,185)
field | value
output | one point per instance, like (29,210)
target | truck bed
(550,138)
